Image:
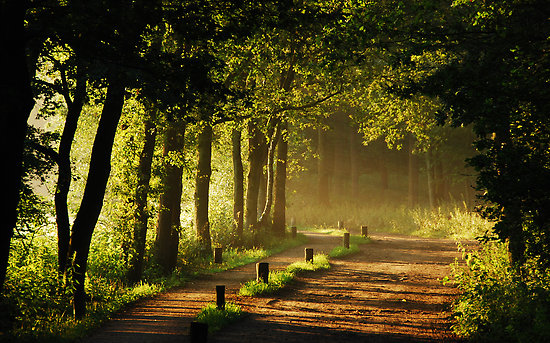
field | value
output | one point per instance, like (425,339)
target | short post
(364,230)
(262,272)
(218,253)
(293,231)
(346,240)
(340,225)
(309,255)
(220,297)
(198,332)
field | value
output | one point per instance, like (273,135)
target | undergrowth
(36,304)
(499,303)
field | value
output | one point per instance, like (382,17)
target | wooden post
(198,332)
(218,252)
(364,230)
(340,225)
(293,231)
(220,297)
(262,272)
(346,240)
(309,255)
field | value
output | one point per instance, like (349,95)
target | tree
(168,224)
(498,83)
(15,106)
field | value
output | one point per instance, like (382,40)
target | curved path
(389,292)
(166,317)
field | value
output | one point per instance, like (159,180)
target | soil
(389,292)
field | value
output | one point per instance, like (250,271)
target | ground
(389,292)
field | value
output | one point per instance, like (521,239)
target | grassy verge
(36,306)
(217,318)
(279,279)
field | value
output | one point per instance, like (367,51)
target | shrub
(500,303)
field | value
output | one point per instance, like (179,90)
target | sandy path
(166,317)
(389,292)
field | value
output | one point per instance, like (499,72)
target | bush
(500,303)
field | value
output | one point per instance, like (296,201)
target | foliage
(497,304)
(341,251)
(217,318)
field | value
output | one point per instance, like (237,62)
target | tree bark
(325,167)
(238,184)
(202,186)
(92,199)
(413,174)
(64,176)
(279,202)
(168,222)
(256,147)
(142,190)
(430,174)
(15,107)
(268,202)
(354,164)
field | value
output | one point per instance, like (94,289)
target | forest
(138,135)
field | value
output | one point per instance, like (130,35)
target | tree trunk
(202,185)
(413,174)
(441,187)
(15,107)
(142,190)
(279,203)
(325,167)
(264,218)
(256,147)
(430,174)
(354,164)
(168,222)
(64,176)
(94,191)
(238,184)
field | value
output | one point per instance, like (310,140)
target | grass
(35,307)
(279,279)
(218,318)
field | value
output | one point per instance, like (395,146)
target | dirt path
(387,293)
(166,317)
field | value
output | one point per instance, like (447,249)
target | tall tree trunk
(168,222)
(238,184)
(325,167)
(256,147)
(142,190)
(202,186)
(264,217)
(15,107)
(279,203)
(94,191)
(64,176)
(413,174)
(441,187)
(354,163)
(430,174)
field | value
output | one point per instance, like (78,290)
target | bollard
(262,272)
(340,225)
(309,255)
(218,252)
(364,231)
(220,297)
(198,332)
(293,231)
(346,240)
